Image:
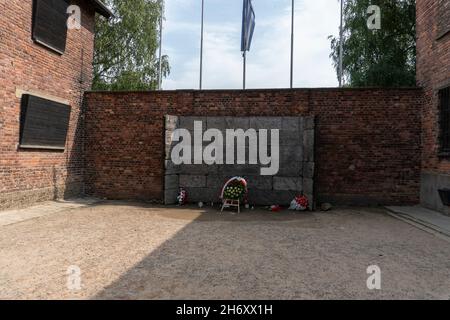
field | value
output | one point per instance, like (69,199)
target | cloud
(268,63)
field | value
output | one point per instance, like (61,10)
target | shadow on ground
(262,255)
(214,256)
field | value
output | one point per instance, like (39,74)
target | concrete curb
(420,224)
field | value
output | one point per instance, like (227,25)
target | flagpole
(292,46)
(243,44)
(244,55)
(341,29)
(201,47)
(160,46)
(248,26)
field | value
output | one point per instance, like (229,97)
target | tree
(385,57)
(125,56)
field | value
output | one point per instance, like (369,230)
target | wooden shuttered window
(43,123)
(444,120)
(50,23)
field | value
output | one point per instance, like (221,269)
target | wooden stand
(229,203)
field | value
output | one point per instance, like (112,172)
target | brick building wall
(368,146)
(433,73)
(28,176)
(367,140)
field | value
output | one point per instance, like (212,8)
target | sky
(268,62)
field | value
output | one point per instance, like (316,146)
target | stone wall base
(429,195)
(26,198)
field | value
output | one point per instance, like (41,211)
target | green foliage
(125,56)
(385,57)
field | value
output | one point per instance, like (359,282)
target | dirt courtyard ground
(139,251)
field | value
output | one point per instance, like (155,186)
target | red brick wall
(368,140)
(433,72)
(27,176)
(367,147)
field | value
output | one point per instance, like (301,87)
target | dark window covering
(50,23)
(43,123)
(444,109)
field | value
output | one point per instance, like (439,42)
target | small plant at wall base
(125,47)
(378,58)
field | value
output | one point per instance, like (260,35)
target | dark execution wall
(288,173)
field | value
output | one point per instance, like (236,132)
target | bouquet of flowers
(182,197)
(234,189)
(300,203)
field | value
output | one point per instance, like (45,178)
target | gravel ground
(138,251)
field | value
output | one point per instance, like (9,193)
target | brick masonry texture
(204,182)
(433,73)
(367,140)
(29,176)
